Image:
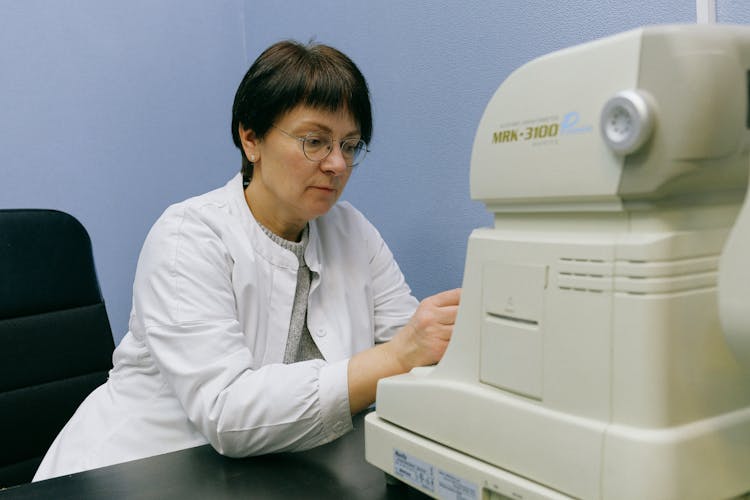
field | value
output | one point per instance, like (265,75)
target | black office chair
(55,340)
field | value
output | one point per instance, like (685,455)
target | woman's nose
(335,161)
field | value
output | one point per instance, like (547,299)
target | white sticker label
(413,470)
(451,487)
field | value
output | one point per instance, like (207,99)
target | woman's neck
(264,214)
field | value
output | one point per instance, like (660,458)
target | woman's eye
(351,147)
(314,141)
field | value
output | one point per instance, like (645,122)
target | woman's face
(287,190)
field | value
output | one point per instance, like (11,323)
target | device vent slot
(637,277)
(665,277)
(513,319)
(584,275)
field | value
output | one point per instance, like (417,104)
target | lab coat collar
(314,250)
(262,244)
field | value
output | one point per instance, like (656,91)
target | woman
(261,310)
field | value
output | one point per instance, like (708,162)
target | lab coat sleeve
(393,302)
(185,308)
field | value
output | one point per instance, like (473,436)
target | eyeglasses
(316,146)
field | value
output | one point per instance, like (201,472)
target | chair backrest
(55,339)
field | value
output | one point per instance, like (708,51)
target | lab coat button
(321,332)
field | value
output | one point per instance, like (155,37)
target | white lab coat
(202,362)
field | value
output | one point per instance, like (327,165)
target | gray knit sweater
(299,345)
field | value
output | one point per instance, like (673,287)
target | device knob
(627,121)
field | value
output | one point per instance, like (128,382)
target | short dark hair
(288,74)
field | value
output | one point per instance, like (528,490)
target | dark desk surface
(337,470)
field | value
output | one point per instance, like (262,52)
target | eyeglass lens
(317,146)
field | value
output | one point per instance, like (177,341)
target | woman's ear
(249,142)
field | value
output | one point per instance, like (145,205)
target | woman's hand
(424,339)
(421,342)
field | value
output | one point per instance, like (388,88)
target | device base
(440,471)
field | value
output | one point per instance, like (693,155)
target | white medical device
(602,345)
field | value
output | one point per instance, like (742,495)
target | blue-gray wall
(113,110)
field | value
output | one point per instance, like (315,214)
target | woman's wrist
(403,349)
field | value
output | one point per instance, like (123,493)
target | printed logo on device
(423,475)
(544,130)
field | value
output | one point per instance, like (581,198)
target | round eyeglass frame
(304,141)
